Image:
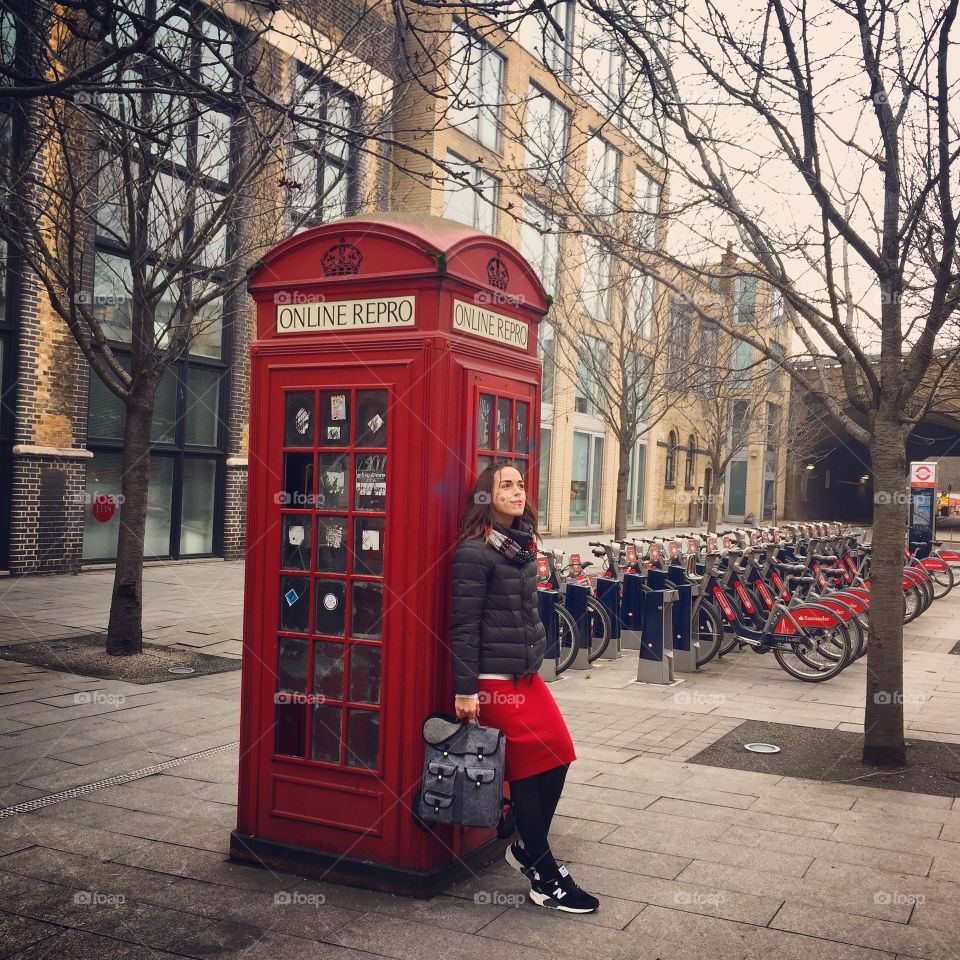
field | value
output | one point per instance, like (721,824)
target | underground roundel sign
(923,474)
(104,507)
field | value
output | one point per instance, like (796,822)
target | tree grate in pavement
(29,805)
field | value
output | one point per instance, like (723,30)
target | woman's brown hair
(477,517)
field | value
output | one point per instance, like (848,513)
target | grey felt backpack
(462,773)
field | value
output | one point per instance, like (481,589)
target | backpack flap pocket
(441,777)
(434,806)
(478,776)
(482,741)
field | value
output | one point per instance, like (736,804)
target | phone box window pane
(364,674)
(503,423)
(367,621)
(485,422)
(521,440)
(482,463)
(368,545)
(290,729)
(332,493)
(297,479)
(327,729)
(295,604)
(328,670)
(291,665)
(363,739)
(335,418)
(295,540)
(331,544)
(298,425)
(331,597)
(371,481)
(372,418)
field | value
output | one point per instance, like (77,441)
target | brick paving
(689,861)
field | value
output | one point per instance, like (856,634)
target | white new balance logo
(559,893)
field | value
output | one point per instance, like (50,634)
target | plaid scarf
(517,545)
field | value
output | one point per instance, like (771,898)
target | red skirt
(528,716)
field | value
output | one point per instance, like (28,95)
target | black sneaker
(562,894)
(519,859)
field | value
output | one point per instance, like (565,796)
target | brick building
(539,145)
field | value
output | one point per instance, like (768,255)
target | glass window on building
(647,199)
(741,366)
(592,367)
(745,300)
(586,484)
(636,483)
(737,488)
(540,242)
(543,493)
(321,182)
(603,172)
(470,196)
(774,370)
(546,351)
(596,280)
(640,304)
(546,133)
(476,81)
(602,77)
(541,38)
(777,315)
(670,461)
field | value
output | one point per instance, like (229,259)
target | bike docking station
(395,358)
(656,646)
(547,601)
(685,648)
(608,594)
(575,600)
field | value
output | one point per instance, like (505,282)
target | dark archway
(835,482)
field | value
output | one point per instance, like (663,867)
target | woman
(498,643)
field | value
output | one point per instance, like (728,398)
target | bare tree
(147,185)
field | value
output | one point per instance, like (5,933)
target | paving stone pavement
(689,861)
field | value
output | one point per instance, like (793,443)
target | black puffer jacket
(495,624)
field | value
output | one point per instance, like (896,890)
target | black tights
(535,801)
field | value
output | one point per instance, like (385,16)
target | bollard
(685,644)
(608,594)
(575,600)
(631,611)
(547,601)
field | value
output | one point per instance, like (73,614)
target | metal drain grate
(28,805)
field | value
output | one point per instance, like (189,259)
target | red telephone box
(395,357)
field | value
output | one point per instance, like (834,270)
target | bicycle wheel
(708,631)
(942,582)
(813,656)
(600,627)
(912,603)
(568,638)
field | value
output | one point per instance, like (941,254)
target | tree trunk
(713,498)
(623,473)
(883,739)
(125,630)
